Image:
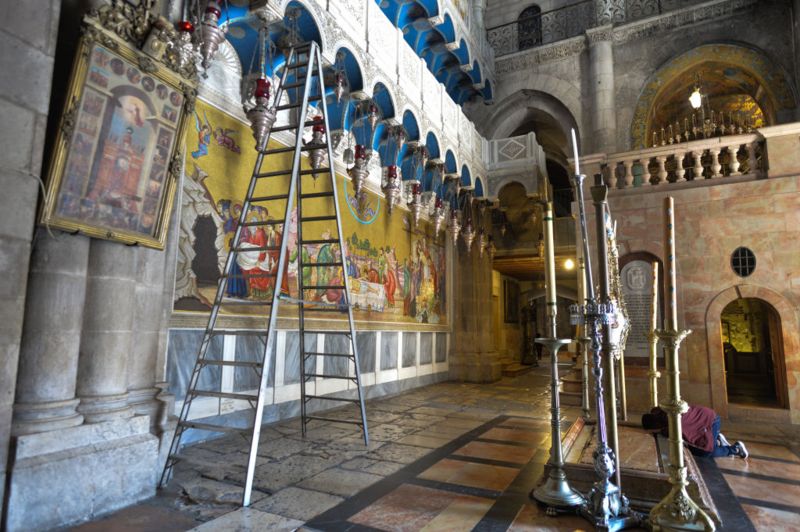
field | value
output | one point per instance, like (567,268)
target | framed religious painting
(115,162)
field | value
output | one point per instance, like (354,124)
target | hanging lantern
(339,87)
(392,187)
(211,36)
(416,202)
(359,173)
(348,157)
(481,243)
(503,229)
(261,116)
(184,47)
(490,247)
(317,155)
(439,215)
(454,228)
(468,234)
(373,116)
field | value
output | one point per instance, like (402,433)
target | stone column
(478,10)
(143,353)
(107,325)
(473,358)
(48,363)
(601,81)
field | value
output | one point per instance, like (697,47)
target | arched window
(530,27)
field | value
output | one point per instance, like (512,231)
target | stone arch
(790,333)
(517,88)
(773,79)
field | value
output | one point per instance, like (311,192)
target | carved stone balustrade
(701,160)
(510,159)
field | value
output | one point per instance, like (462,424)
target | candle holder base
(679,512)
(557,494)
(607,508)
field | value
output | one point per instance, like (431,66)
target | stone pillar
(478,10)
(143,353)
(473,358)
(48,363)
(107,326)
(601,81)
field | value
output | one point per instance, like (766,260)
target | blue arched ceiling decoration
(450,166)
(478,187)
(432,144)
(466,176)
(340,114)
(435,43)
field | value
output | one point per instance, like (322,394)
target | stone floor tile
(274,476)
(297,503)
(394,452)
(771,519)
(280,448)
(496,451)
(249,520)
(342,482)
(424,441)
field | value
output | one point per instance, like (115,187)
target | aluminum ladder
(303,71)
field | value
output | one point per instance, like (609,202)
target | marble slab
(336,343)
(365,343)
(441,347)
(409,349)
(182,348)
(425,348)
(388,350)
(291,370)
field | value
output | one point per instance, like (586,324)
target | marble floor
(445,457)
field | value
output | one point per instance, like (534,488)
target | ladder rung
(225,395)
(244,302)
(237,332)
(318,264)
(307,147)
(325,287)
(211,428)
(262,248)
(276,197)
(293,126)
(318,218)
(325,309)
(294,85)
(249,275)
(316,194)
(323,376)
(333,420)
(340,355)
(306,331)
(288,172)
(298,65)
(297,105)
(234,363)
(327,398)
(321,241)
(267,222)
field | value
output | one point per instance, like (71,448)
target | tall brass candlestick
(677,511)
(654,374)
(555,491)
(582,338)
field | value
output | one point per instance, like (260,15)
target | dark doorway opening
(205,262)
(755,371)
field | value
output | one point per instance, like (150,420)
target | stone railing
(573,20)
(695,161)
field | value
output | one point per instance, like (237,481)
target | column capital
(600,34)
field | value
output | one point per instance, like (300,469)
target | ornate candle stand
(677,511)
(605,507)
(653,374)
(555,491)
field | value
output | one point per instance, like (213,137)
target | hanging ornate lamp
(183,48)
(317,155)
(392,189)
(415,205)
(468,232)
(490,247)
(454,227)
(261,115)
(359,173)
(439,215)
(373,115)
(211,35)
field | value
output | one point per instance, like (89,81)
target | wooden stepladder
(303,72)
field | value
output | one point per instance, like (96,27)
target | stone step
(571,386)
(570,398)
(516,369)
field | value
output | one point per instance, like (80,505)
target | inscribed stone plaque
(637,287)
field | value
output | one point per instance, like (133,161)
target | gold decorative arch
(772,78)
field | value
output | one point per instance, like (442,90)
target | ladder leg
(343,251)
(300,309)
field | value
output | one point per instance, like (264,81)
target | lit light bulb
(696,99)
(569,264)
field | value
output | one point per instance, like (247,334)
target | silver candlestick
(555,492)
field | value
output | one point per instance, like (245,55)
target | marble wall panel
(336,343)
(441,347)
(291,368)
(409,349)
(425,348)
(183,347)
(365,343)
(251,349)
(389,350)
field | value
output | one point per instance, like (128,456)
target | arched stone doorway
(755,367)
(789,338)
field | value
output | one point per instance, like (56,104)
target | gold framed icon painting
(115,162)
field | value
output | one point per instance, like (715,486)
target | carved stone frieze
(600,34)
(543,54)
